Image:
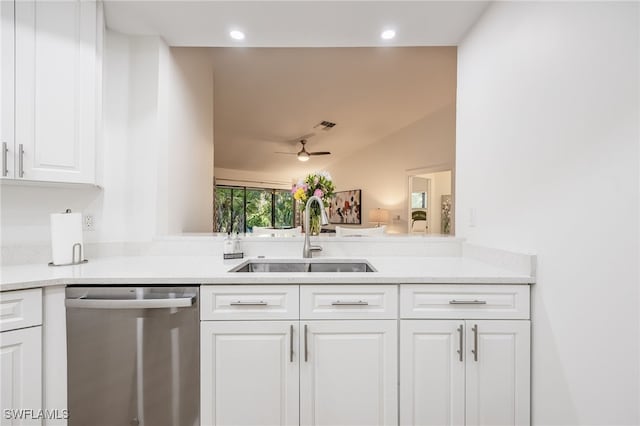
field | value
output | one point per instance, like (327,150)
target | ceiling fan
(303,154)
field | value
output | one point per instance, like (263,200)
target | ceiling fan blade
(285,153)
(320,153)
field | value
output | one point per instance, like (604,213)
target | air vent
(325,125)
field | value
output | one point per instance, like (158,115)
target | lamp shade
(378,216)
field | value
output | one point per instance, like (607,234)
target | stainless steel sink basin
(259,265)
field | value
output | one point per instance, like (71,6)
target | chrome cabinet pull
(474,351)
(20,160)
(306,351)
(291,343)
(467,302)
(5,151)
(350,303)
(249,303)
(460,343)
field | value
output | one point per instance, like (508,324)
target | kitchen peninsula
(314,327)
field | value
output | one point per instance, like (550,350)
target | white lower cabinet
(343,356)
(432,373)
(498,372)
(465,372)
(289,373)
(21,375)
(249,373)
(348,372)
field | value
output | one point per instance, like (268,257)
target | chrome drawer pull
(467,302)
(249,303)
(350,303)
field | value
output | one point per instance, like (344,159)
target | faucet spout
(324,220)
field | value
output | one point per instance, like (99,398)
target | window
(239,209)
(418,200)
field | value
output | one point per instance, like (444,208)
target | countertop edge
(262,280)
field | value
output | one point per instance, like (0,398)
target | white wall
(548,158)
(382,169)
(189,162)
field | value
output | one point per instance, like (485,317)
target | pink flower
(318,193)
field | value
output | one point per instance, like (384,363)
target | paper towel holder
(80,260)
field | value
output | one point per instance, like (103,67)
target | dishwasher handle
(179,302)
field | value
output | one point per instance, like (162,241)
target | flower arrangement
(319,184)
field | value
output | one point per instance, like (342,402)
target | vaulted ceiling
(265,99)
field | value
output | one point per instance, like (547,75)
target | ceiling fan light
(303,156)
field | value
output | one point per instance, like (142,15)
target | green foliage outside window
(239,209)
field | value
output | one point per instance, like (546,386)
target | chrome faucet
(324,220)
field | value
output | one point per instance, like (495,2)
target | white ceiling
(296,23)
(266,97)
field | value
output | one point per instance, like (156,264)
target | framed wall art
(345,207)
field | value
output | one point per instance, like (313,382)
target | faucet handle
(315,248)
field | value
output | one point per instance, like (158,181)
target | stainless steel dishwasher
(133,356)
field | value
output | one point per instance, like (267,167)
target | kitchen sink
(304,265)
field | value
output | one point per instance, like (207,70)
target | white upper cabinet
(7,84)
(56,90)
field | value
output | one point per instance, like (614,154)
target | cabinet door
(432,370)
(56,90)
(249,373)
(7,85)
(349,372)
(498,372)
(21,372)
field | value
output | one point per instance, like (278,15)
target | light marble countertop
(214,270)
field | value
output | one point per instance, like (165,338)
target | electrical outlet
(88,222)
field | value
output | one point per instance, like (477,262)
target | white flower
(325,174)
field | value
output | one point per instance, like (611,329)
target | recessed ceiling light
(388,34)
(236,35)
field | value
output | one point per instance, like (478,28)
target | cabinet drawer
(464,301)
(249,302)
(20,309)
(348,301)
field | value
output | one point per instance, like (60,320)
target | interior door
(250,373)
(349,373)
(498,374)
(432,372)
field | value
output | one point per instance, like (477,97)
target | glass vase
(314,224)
